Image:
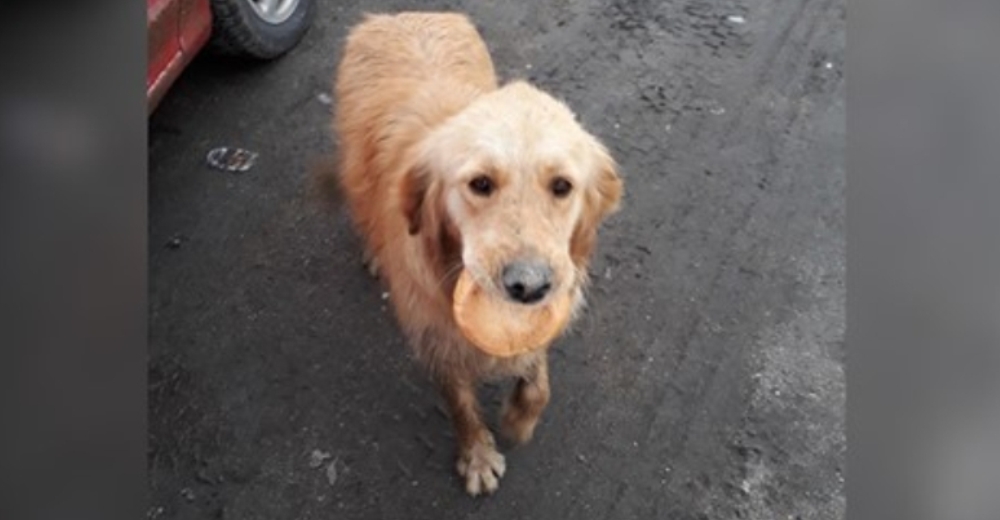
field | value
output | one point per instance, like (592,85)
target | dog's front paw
(481,466)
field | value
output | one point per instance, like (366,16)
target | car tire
(259,29)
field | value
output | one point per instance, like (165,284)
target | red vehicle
(179,29)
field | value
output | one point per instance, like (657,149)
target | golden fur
(418,116)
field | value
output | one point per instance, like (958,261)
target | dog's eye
(561,187)
(481,185)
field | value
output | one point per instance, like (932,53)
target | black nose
(527,281)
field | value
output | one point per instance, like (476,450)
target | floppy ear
(601,200)
(413,192)
(421,206)
(608,188)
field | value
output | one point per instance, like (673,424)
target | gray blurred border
(73,261)
(924,253)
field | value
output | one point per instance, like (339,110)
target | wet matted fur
(443,170)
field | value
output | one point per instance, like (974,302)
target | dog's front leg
(478,460)
(525,405)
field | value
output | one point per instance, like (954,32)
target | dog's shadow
(322,187)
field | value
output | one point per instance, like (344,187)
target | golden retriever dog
(442,170)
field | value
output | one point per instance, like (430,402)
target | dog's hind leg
(525,405)
(479,462)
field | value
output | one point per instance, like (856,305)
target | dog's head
(517,189)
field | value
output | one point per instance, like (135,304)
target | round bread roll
(502,328)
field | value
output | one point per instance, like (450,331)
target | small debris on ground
(231,159)
(187,494)
(331,472)
(202,476)
(174,243)
(425,441)
(736,19)
(324,98)
(317,458)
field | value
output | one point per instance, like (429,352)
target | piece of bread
(503,328)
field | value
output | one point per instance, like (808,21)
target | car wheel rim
(273,11)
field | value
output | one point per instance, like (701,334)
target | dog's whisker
(449,273)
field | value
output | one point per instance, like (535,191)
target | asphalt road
(707,378)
